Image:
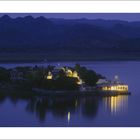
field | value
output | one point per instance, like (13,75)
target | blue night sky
(108,16)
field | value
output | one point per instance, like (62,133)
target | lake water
(78,111)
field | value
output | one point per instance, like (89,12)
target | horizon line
(84,18)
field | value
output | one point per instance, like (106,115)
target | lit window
(49,76)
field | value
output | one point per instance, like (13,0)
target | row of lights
(118,88)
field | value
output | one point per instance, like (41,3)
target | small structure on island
(16,75)
(115,86)
(69,73)
(102,81)
(74,74)
(49,76)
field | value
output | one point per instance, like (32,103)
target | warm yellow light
(68,117)
(75,74)
(113,104)
(112,88)
(79,82)
(116,88)
(104,88)
(69,73)
(116,103)
(49,76)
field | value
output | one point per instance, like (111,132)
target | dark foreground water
(79,111)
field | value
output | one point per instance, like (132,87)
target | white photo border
(69,7)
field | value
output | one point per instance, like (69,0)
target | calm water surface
(78,111)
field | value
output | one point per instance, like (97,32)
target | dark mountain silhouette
(72,36)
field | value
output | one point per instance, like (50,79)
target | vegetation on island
(49,78)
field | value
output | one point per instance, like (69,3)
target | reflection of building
(116,104)
(68,117)
(66,108)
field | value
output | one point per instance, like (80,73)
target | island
(52,80)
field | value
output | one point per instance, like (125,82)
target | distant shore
(24,58)
(44,58)
(76,61)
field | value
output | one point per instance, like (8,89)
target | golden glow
(79,82)
(49,76)
(68,117)
(116,103)
(75,74)
(113,104)
(72,74)
(69,73)
(116,88)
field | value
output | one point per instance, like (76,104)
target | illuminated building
(75,74)
(49,76)
(115,87)
(80,81)
(69,73)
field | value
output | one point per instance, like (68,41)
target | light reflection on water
(116,104)
(68,117)
(60,111)
(86,111)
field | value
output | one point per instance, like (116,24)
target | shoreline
(77,92)
(66,81)
(33,92)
